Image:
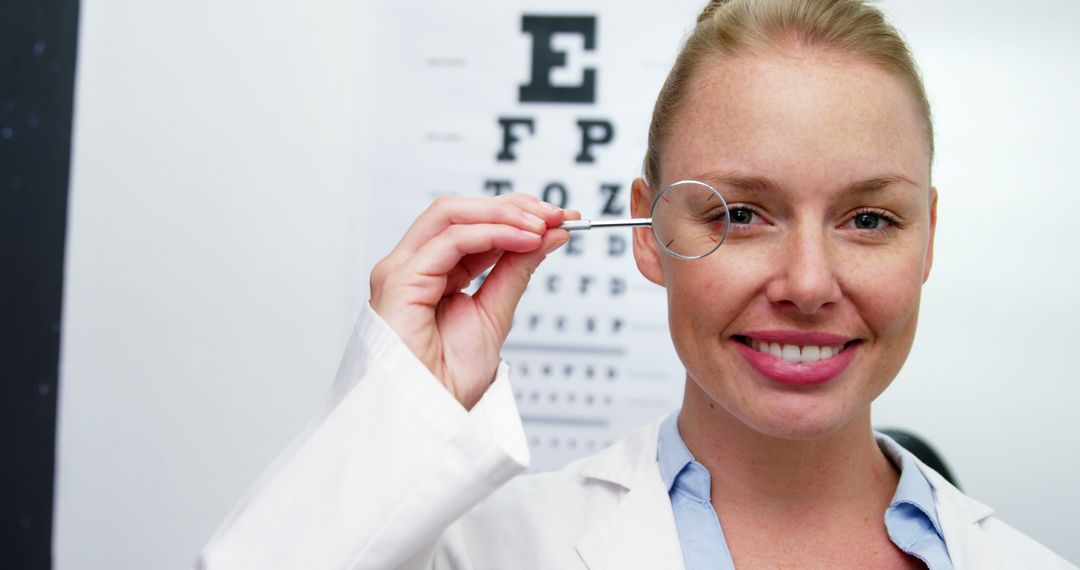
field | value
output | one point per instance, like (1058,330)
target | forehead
(808,116)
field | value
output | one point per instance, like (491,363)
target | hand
(417,289)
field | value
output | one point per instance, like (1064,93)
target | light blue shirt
(911,519)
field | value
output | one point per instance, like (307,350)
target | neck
(842,474)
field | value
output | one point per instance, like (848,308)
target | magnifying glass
(689,219)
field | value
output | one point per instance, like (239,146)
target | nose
(805,279)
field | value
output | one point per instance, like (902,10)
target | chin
(787,413)
(796,421)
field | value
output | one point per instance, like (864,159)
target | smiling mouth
(796,353)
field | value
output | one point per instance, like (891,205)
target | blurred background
(236,169)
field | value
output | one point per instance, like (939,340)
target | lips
(797,358)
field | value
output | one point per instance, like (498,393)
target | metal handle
(574,225)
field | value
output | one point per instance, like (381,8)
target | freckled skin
(812,122)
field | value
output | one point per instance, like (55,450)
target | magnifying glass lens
(690,219)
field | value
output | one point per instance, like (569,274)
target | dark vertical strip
(37,80)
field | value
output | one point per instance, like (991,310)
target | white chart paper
(477,100)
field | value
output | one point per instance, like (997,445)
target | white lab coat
(394,473)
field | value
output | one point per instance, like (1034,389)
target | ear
(933,229)
(646,253)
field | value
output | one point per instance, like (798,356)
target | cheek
(706,295)
(885,288)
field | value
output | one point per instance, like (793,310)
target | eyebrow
(755,184)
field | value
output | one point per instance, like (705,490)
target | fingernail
(553,247)
(550,206)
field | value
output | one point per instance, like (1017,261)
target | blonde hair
(735,27)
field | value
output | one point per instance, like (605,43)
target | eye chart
(481,99)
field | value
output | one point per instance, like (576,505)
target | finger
(470,267)
(440,255)
(473,265)
(502,290)
(518,210)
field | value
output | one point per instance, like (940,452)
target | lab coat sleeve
(377,478)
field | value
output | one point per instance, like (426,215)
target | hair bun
(710,9)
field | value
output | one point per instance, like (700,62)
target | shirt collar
(673,457)
(671,452)
(913,489)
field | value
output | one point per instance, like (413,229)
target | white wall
(210,267)
(217,255)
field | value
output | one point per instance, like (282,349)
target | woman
(810,118)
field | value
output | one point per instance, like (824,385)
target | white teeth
(795,353)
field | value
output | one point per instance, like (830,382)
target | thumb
(504,286)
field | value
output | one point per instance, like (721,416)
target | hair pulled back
(727,28)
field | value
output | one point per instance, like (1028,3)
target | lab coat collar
(960,506)
(628,460)
(961,522)
(640,531)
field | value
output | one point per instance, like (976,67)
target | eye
(873,221)
(867,221)
(742,215)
